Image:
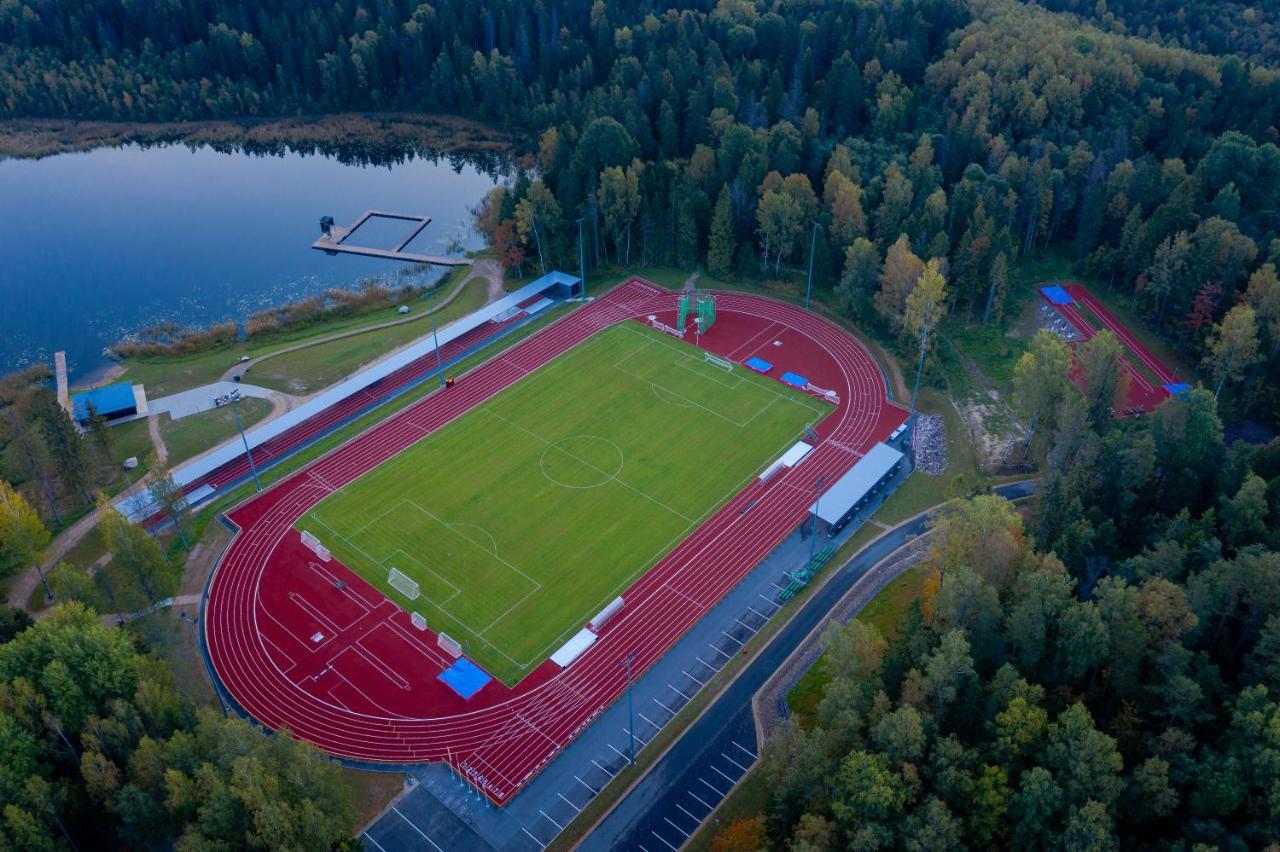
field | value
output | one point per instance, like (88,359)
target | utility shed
(855,489)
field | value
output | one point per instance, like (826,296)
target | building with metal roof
(857,487)
(114,402)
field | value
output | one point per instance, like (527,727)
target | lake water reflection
(95,244)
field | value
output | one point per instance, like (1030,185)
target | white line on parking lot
(618,753)
(415,828)
(712,786)
(696,821)
(745,749)
(663,706)
(677,692)
(702,800)
(541,845)
(735,641)
(602,769)
(726,777)
(718,651)
(650,721)
(683,833)
(550,820)
(576,809)
(590,789)
(664,840)
(692,678)
(369,838)
(744,624)
(734,762)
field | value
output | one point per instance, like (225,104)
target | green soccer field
(521,519)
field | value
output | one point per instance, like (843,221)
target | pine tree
(722,247)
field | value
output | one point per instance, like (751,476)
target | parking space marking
(414,826)
(747,750)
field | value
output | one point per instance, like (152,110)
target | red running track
(1143,395)
(343,667)
(339,411)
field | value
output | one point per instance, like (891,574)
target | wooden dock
(335,241)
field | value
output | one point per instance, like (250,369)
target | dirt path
(240,368)
(692,281)
(157,440)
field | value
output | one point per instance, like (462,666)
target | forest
(1100,672)
(1096,671)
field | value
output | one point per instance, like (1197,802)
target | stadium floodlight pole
(435,341)
(813,539)
(235,410)
(813,246)
(915,391)
(631,715)
(582,259)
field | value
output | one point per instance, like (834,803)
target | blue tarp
(758,364)
(795,379)
(465,678)
(1177,388)
(1056,295)
(108,401)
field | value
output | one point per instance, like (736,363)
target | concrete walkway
(203,398)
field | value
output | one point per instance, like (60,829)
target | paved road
(669,804)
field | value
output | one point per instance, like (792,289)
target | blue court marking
(1056,295)
(795,379)
(758,364)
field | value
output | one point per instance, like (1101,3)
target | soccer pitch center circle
(307,645)
(582,461)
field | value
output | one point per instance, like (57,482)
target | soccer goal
(450,645)
(403,584)
(419,620)
(716,361)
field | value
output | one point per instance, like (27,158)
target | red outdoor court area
(307,645)
(1146,384)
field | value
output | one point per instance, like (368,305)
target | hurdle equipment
(449,645)
(419,620)
(716,361)
(605,614)
(654,322)
(403,583)
(822,393)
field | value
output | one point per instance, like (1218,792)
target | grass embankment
(631,433)
(308,370)
(190,436)
(166,374)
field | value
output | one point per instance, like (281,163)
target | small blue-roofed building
(562,284)
(112,402)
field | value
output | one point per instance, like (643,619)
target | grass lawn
(191,435)
(315,367)
(166,374)
(631,436)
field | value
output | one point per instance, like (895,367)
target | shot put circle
(581,461)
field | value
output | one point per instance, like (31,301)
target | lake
(96,244)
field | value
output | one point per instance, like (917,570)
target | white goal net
(419,620)
(403,584)
(716,361)
(450,645)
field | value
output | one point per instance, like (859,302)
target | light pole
(582,259)
(813,539)
(813,245)
(631,716)
(235,410)
(435,341)
(911,414)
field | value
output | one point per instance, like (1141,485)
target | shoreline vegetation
(369,138)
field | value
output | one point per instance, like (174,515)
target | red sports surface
(1143,395)
(309,646)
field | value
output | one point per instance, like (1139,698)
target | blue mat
(1056,295)
(465,678)
(758,364)
(795,379)
(1177,388)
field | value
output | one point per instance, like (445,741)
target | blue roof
(109,400)
(465,678)
(1056,295)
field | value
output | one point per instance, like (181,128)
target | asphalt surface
(681,790)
